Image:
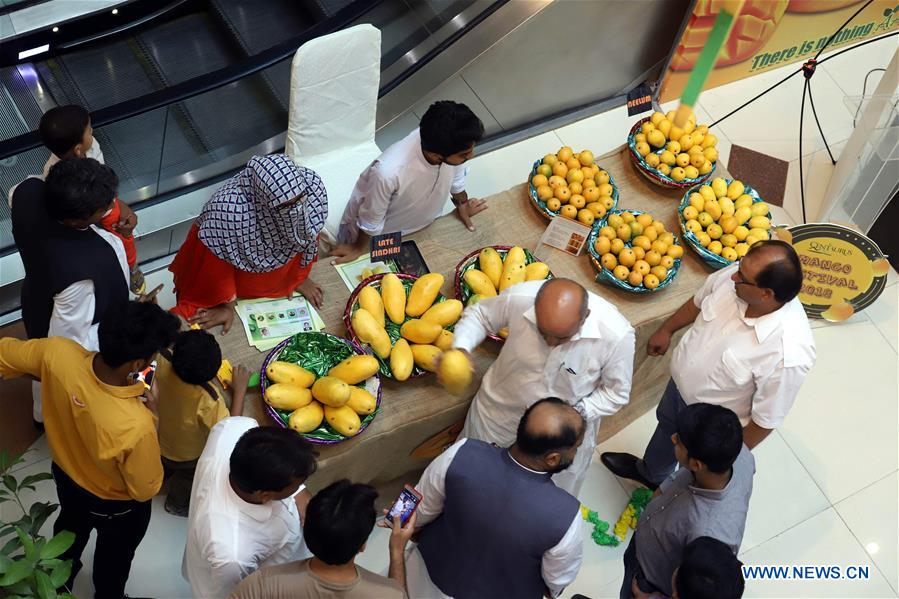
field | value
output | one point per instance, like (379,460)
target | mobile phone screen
(404,505)
(145,376)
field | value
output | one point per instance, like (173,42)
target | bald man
(492,522)
(563,342)
(749,349)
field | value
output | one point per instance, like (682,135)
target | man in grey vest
(493,523)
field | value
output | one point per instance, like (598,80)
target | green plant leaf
(47,564)
(27,544)
(17,571)
(67,596)
(45,588)
(10,482)
(11,546)
(31,479)
(23,588)
(4,460)
(60,574)
(39,513)
(57,545)
(5,563)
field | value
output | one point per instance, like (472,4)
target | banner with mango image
(767,34)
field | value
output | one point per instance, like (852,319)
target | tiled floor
(825,492)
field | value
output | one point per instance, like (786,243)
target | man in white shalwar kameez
(563,342)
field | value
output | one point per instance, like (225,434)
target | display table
(415,410)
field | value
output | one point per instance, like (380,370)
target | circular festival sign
(843,271)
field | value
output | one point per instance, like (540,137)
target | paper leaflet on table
(353,273)
(267,322)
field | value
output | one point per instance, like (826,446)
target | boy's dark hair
(709,570)
(449,127)
(196,357)
(62,128)
(711,434)
(537,444)
(267,458)
(135,331)
(338,521)
(78,188)
(783,276)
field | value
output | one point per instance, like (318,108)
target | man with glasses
(749,349)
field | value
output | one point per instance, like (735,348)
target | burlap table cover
(415,410)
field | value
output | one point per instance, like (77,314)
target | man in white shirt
(245,504)
(492,522)
(563,342)
(406,188)
(749,349)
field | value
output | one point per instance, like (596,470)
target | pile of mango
(335,398)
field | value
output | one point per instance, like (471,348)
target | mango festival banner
(772,33)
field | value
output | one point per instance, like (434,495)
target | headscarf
(243,225)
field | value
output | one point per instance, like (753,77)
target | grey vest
(497,522)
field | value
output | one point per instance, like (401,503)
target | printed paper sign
(566,235)
(639,100)
(386,246)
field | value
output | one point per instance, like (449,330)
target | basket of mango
(324,387)
(405,321)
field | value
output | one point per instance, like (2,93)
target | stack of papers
(268,322)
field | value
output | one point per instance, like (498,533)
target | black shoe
(38,425)
(624,465)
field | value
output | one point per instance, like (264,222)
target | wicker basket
(604,275)
(711,258)
(330,437)
(540,205)
(653,174)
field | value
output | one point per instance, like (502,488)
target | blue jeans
(658,460)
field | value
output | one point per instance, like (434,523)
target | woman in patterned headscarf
(257,236)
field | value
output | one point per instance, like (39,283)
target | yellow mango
(727,206)
(743,200)
(759,222)
(743,214)
(536,271)
(370,299)
(290,374)
(760,209)
(393,294)
(503,332)
(368,331)
(719,186)
(331,391)
(455,371)
(491,264)
(444,340)
(425,356)
(444,313)
(401,360)
(423,293)
(735,189)
(713,208)
(355,369)
(759,233)
(697,200)
(343,420)
(513,268)
(479,282)
(307,419)
(420,331)
(287,397)
(707,194)
(361,401)
(514,256)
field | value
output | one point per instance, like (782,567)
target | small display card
(566,235)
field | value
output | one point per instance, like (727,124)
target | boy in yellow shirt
(190,403)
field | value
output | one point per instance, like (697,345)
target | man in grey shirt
(707,497)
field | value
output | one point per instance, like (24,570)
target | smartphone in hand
(405,505)
(146,375)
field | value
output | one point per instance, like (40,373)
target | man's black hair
(78,188)
(339,520)
(135,331)
(782,275)
(196,357)
(62,128)
(709,570)
(536,444)
(711,434)
(448,128)
(267,458)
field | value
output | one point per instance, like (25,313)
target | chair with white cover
(333,103)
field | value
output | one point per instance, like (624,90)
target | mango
(719,186)
(361,401)
(503,332)
(727,206)
(343,420)
(420,331)
(743,214)
(331,391)
(491,264)
(284,396)
(713,208)
(425,356)
(368,331)
(454,371)
(479,282)
(393,295)
(355,369)
(289,374)
(423,293)
(536,271)
(760,209)
(735,189)
(444,313)
(759,233)
(307,419)
(444,340)
(759,222)
(370,299)
(401,360)
(707,195)
(743,200)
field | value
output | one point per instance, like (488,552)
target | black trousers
(120,527)
(180,476)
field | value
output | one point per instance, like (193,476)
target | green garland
(628,519)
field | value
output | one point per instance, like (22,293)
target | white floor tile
(871,516)
(166,296)
(817,170)
(777,469)
(43,491)
(843,425)
(601,133)
(501,169)
(608,590)
(849,69)
(884,313)
(160,551)
(822,540)
(38,452)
